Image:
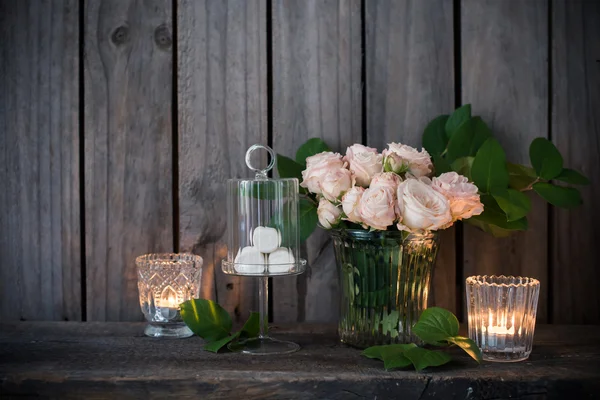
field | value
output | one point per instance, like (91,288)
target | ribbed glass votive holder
(501,312)
(164,282)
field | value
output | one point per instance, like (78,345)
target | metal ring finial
(260,171)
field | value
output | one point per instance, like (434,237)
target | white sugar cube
(250,261)
(281,261)
(265,239)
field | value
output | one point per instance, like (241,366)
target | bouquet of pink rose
(390,190)
(461,174)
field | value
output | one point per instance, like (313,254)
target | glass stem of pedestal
(263,307)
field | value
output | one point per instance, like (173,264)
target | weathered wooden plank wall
(575,129)
(128,148)
(222,110)
(40,245)
(504,56)
(172,93)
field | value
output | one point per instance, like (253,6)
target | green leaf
(459,144)
(289,168)
(390,323)
(307,215)
(252,326)
(557,195)
(436,325)
(423,358)
(489,167)
(391,355)
(545,158)
(481,133)
(218,344)
(515,204)
(520,177)
(459,116)
(206,319)
(494,215)
(441,165)
(573,177)
(468,346)
(463,166)
(310,148)
(434,136)
(494,230)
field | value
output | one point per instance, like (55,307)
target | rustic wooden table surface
(115,360)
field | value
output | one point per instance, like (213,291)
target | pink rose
(377,208)
(329,215)
(335,183)
(408,159)
(422,208)
(462,195)
(317,167)
(364,162)
(350,203)
(386,179)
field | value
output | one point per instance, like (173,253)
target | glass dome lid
(262,223)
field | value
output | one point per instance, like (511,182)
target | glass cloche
(263,239)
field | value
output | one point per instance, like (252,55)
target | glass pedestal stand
(263,344)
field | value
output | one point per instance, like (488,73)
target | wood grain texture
(52,360)
(316,93)
(40,243)
(128,146)
(504,57)
(222,88)
(410,80)
(576,132)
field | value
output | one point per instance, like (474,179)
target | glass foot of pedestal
(264,346)
(171,330)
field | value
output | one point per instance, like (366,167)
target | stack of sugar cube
(265,252)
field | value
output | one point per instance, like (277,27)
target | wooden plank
(52,360)
(128,163)
(222,88)
(316,93)
(575,131)
(410,80)
(504,52)
(39,161)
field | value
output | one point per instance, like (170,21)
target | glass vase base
(169,331)
(264,346)
(505,356)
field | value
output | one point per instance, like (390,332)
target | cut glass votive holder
(164,282)
(501,313)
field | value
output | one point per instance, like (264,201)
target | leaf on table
(307,215)
(289,168)
(545,158)
(206,319)
(515,204)
(434,136)
(557,195)
(459,116)
(251,328)
(571,176)
(436,325)
(218,344)
(310,148)
(422,358)
(489,167)
(468,346)
(463,166)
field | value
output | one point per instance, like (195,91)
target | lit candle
(169,304)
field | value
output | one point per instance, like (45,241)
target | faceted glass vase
(502,311)
(385,281)
(164,282)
